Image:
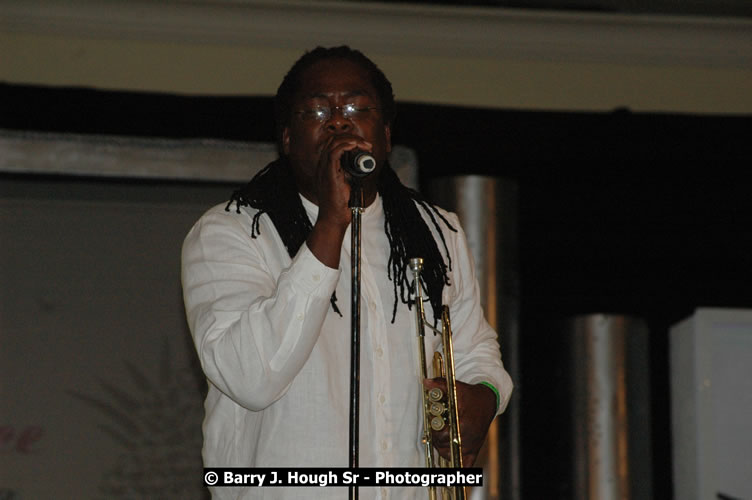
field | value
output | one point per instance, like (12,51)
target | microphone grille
(366,163)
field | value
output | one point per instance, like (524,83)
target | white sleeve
(253,331)
(477,353)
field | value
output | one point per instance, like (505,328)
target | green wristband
(498,397)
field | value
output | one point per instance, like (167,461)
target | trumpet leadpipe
(416,266)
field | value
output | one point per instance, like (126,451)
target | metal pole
(356,205)
(611,417)
(487,209)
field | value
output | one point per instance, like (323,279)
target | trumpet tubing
(439,408)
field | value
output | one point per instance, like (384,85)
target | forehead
(335,77)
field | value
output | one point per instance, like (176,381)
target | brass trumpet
(436,413)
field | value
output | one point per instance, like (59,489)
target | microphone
(358,163)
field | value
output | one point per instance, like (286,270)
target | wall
(460,56)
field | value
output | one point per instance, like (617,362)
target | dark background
(630,213)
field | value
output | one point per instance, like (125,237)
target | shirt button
(382,398)
(300,316)
(384,445)
(379,351)
(316,277)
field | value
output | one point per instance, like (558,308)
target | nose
(338,122)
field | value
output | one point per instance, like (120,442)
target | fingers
(333,188)
(333,181)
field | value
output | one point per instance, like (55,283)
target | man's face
(333,83)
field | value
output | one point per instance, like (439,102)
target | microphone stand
(356,205)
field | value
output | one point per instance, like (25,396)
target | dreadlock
(272,192)
(409,237)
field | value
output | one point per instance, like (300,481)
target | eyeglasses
(324,113)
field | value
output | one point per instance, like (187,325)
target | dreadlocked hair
(409,237)
(271,192)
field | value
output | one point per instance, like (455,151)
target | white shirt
(277,357)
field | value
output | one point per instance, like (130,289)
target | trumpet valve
(435,394)
(437,423)
(437,408)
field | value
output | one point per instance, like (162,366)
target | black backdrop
(634,213)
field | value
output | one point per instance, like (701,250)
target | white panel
(711,404)
(466,56)
(95,365)
(152,158)
(405,29)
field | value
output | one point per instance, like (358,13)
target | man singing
(266,281)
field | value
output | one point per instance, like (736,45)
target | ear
(388,137)
(286,141)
